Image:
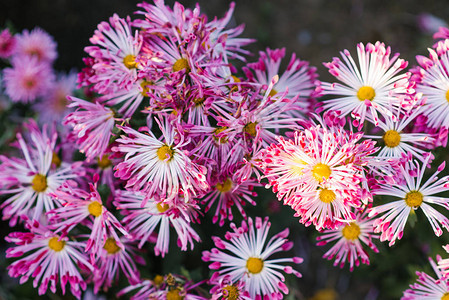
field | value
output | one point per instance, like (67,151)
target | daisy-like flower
(159,168)
(32,180)
(48,258)
(8,43)
(92,126)
(427,287)
(53,107)
(38,44)
(369,87)
(407,185)
(350,237)
(433,83)
(28,79)
(298,79)
(166,287)
(115,255)
(116,53)
(142,221)
(244,257)
(79,205)
(227,193)
(396,142)
(225,289)
(319,164)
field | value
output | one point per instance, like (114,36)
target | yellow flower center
(250,128)
(56,160)
(447,99)
(351,231)
(222,139)
(39,183)
(225,186)
(104,162)
(145,89)
(174,295)
(111,246)
(95,208)
(236,79)
(392,138)
(199,101)
(181,64)
(165,153)
(158,280)
(254,265)
(272,92)
(162,207)
(446,295)
(56,245)
(321,170)
(366,93)
(130,61)
(231,292)
(327,196)
(414,199)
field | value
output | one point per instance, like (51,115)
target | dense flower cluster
(166,132)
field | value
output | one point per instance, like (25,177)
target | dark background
(316,30)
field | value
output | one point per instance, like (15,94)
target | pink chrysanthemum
(226,193)
(167,287)
(349,238)
(369,87)
(159,168)
(117,254)
(319,173)
(79,205)
(28,79)
(244,257)
(38,44)
(142,220)
(92,126)
(8,43)
(31,180)
(433,83)
(225,289)
(116,54)
(427,287)
(298,79)
(407,185)
(47,258)
(396,142)
(53,107)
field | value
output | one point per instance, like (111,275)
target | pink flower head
(408,185)
(92,126)
(227,193)
(48,258)
(142,220)
(319,173)
(171,286)
(116,53)
(299,79)
(160,168)
(32,179)
(371,86)
(433,83)
(79,205)
(117,254)
(427,287)
(224,288)
(244,257)
(7,43)
(38,44)
(349,238)
(53,107)
(28,79)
